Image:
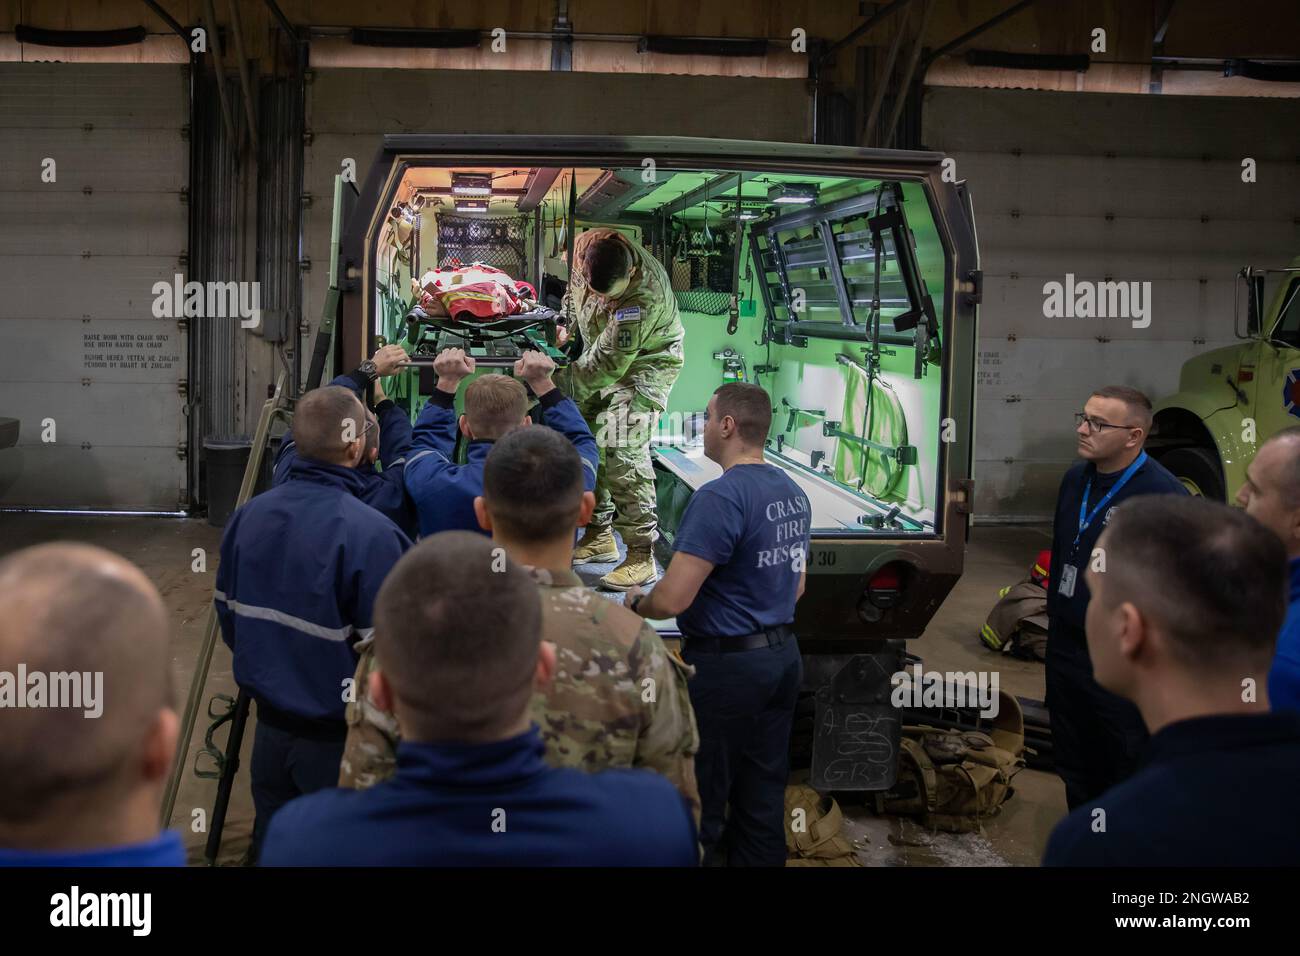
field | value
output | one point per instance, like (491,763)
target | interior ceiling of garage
(606,33)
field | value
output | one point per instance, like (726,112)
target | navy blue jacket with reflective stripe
(301,565)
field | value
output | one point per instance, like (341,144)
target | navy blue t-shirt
(753,524)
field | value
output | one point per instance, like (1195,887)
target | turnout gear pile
(1017,625)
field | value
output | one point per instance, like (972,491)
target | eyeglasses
(1095,425)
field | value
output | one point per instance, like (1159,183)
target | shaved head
(1212,578)
(1271,492)
(457,630)
(80,617)
(323,421)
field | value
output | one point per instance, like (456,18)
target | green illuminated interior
(866,490)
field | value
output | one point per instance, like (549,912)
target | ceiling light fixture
(792,193)
(470,184)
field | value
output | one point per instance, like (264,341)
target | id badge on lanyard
(1070,572)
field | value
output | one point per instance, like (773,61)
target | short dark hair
(457,630)
(320,422)
(532,485)
(605,260)
(68,608)
(750,406)
(1211,576)
(1136,400)
(495,405)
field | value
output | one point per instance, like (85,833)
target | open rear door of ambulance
(843,281)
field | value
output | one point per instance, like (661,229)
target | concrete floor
(165,549)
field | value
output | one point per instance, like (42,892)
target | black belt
(325,731)
(772,637)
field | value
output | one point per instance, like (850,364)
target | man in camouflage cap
(622,302)
(618,698)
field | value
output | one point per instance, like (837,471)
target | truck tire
(1198,469)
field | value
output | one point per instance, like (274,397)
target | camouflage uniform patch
(619,698)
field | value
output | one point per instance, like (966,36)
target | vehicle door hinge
(182,450)
(973,287)
(964,497)
(183,387)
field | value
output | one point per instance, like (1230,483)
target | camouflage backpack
(955,779)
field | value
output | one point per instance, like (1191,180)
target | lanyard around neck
(1086,517)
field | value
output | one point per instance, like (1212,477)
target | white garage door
(86,368)
(1122,188)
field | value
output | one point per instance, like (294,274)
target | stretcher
(493,343)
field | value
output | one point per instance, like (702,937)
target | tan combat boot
(639,568)
(596,547)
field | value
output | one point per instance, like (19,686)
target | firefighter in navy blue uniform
(471,786)
(1185,613)
(495,405)
(1097,736)
(389,442)
(300,568)
(737,570)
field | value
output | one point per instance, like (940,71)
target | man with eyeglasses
(1096,735)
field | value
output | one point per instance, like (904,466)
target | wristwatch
(632,604)
(369,369)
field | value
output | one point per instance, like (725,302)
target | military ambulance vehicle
(844,281)
(1231,399)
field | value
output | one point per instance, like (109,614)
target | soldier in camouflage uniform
(618,697)
(622,302)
